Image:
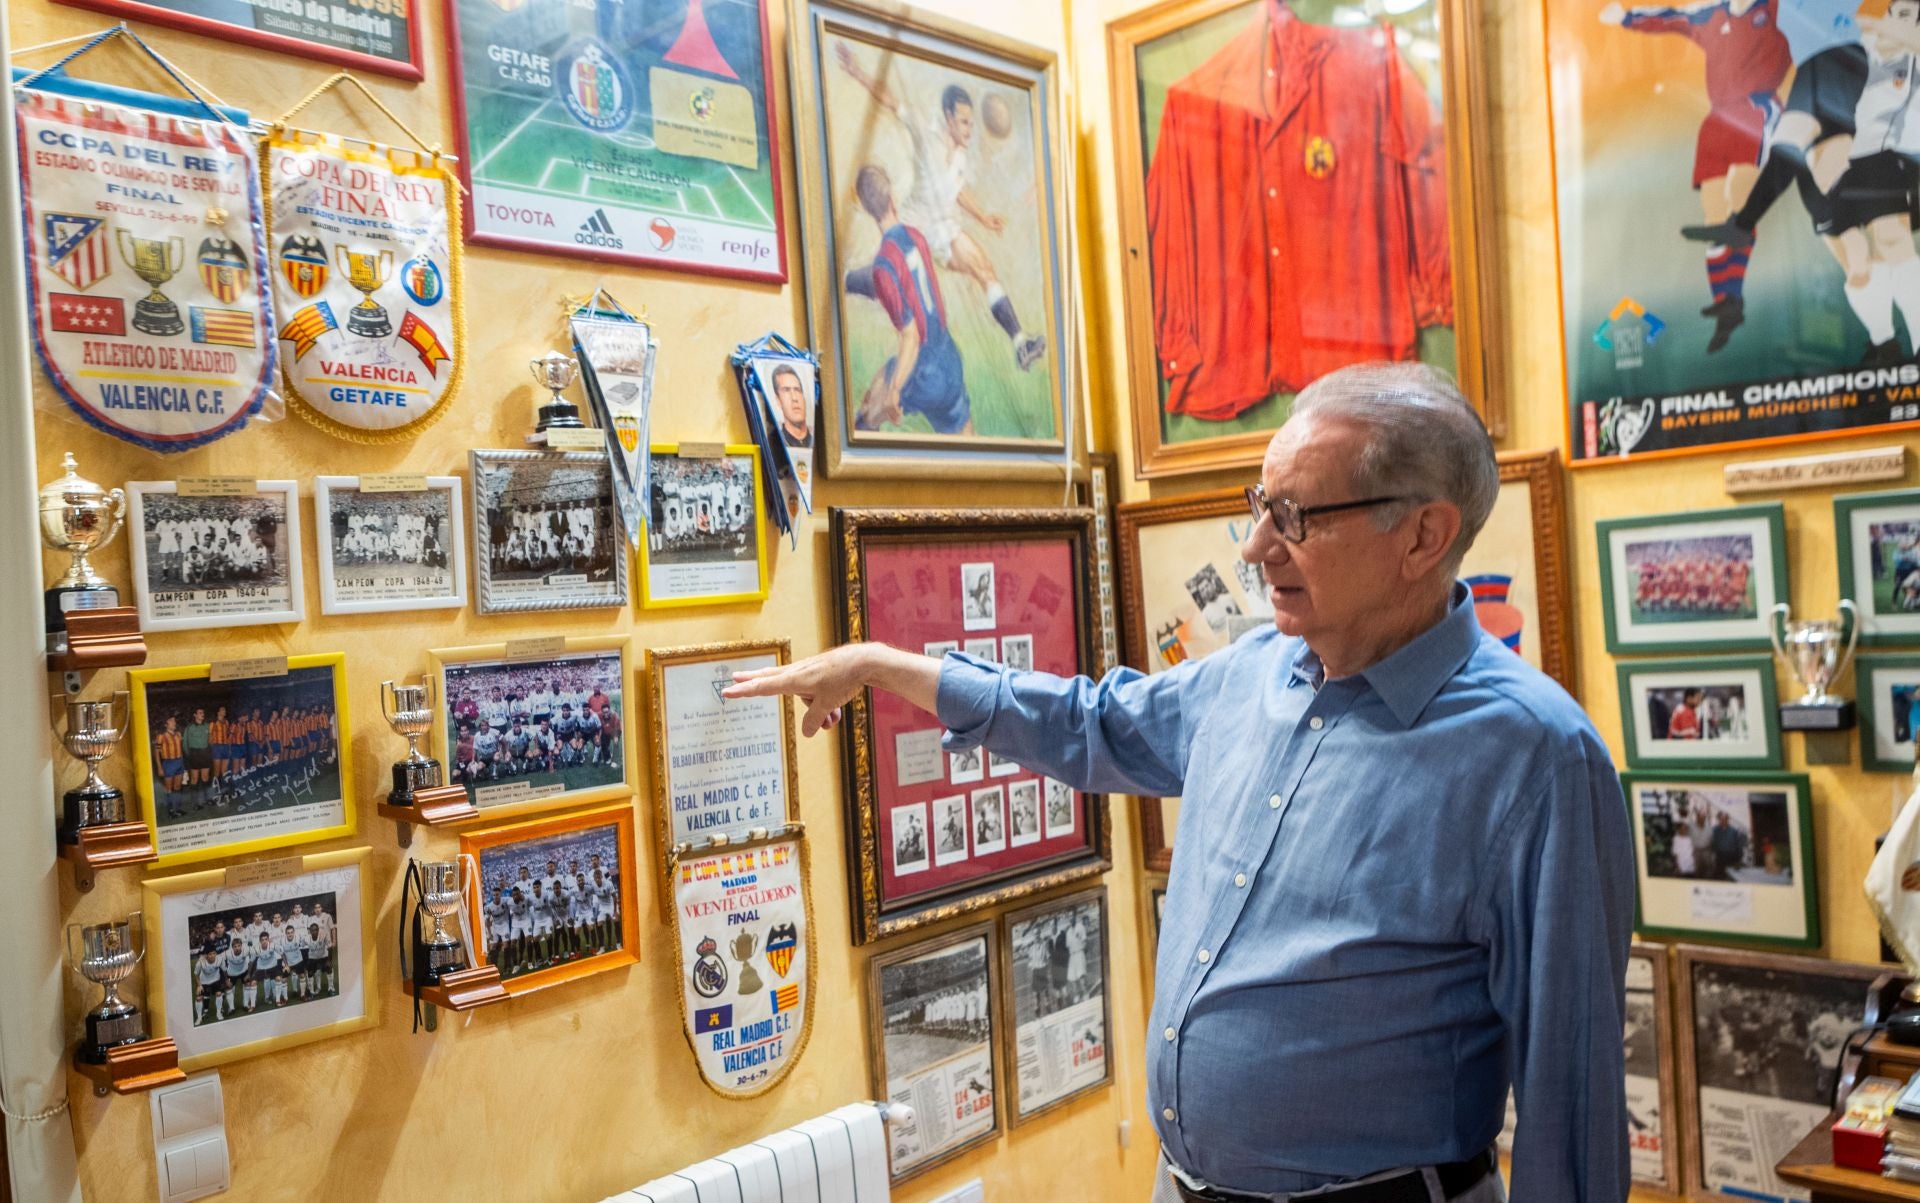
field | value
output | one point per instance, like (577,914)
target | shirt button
(1273,252)
(1273,803)
(1316,722)
(1169,1034)
(1205,956)
(1240,879)
(1273,192)
(1166,1113)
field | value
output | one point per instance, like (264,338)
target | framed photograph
(1053,988)
(706,535)
(1725,856)
(930,1019)
(230,764)
(390,548)
(385,40)
(1700,714)
(919,577)
(939,281)
(647,140)
(544,532)
(1223,183)
(530,730)
(1889,711)
(229,558)
(1759,1040)
(239,966)
(1661,122)
(1877,538)
(1705,581)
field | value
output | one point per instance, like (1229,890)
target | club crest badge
(781,941)
(77,248)
(303,261)
(1319,157)
(223,268)
(420,277)
(595,89)
(709,971)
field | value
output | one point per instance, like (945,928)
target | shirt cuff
(967,697)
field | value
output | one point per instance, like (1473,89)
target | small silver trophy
(105,955)
(78,517)
(408,709)
(91,735)
(555,372)
(1812,650)
(441,896)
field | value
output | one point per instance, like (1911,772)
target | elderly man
(1402,878)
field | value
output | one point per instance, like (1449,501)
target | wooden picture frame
(261,581)
(581,482)
(283,756)
(551,836)
(1684,562)
(682,576)
(401,592)
(999,420)
(1877,588)
(1737,727)
(485,666)
(1821,1009)
(173,906)
(1889,689)
(174,14)
(1038,569)
(986,1052)
(1018,981)
(1183,32)
(1657,995)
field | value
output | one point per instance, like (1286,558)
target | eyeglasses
(1290,517)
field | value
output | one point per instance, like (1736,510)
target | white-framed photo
(1016,652)
(1728,856)
(390,549)
(1713,713)
(231,560)
(1000,766)
(910,838)
(1055,983)
(941,647)
(966,766)
(706,536)
(987,649)
(544,532)
(989,812)
(1060,808)
(1889,688)
(949,830)
(978,608)
(1705,581)
(1023,806)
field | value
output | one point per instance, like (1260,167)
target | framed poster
(932,1045)
(556,897)
(544,533)
(640,133)
(1705,581)
(1724,856)
(390,548)
(929,836)
(383,36)
(1053,990)
(1684,333)
(1381,152)
(1889,711)
(706,540)
(1702,714)
(939,285)
(223,553)
(531,726)
(229,764)
(1877,538)
(1760,1040)
(239,968)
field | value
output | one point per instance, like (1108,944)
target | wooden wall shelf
(438,806)
(107,846)
(131,1068)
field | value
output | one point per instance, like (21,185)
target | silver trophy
(105,955)
(555,372)
(91,735)
(441,897)
(1812,650)
(408,709)
(78,517)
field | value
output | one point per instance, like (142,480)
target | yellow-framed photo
(706,538)
(532,730)
(242,966)
(243,756)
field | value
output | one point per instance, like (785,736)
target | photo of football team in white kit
(266,958)
(551,900)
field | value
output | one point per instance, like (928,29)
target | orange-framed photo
(557,897)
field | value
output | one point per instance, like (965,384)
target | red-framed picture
(365,35)
(936,833)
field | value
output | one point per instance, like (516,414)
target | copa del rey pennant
(145,268)
(366,280)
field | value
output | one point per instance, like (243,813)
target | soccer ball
(996,115)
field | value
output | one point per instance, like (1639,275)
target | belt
(1456,1178)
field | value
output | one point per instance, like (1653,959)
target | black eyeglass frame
(1290,517)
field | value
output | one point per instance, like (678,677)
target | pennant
(77,249)
(425,343)
(1893,883)
(306,328)
(616,356)
(224,327)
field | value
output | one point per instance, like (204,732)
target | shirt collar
(1408,679)
(1293,53)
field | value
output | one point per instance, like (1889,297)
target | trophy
(1812,650)
(554,372)
(104,956)
(154,260)
(90,736)
(410,714)
(437,952)
(78,516)
(742,950)
(367,271)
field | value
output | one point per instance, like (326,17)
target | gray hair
(1424,442)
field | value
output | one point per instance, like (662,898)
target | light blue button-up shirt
(1392,896)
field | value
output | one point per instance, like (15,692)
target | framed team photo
(544,532)
(226,557)
(1703,714)
(939,309)
(386,40)
(706,538)
(227,765)
(1053,985)
(1725,856)
(1889,689)
(239,967)
(390,548)
(1877,538)
(932,1044)
(1705,581)
(556,897)
(535,731)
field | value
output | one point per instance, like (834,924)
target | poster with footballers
(1737,262)
(366,283)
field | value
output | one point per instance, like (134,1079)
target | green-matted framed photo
(1704,581)
(1724,856)
(1889,711)
(1715,713)
(1877,541)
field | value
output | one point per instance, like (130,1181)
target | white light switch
(190,1138)
(972,1192)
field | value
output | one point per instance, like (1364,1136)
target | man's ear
(1432,529)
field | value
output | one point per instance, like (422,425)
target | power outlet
(972,1192)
